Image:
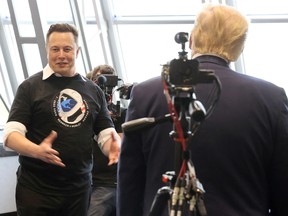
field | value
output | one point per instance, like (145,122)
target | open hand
(114,148)
(46,153)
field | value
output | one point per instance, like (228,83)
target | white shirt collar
(47,72)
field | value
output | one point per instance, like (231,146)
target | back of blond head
(220,30)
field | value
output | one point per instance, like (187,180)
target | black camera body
(112,80)
(183,74)
(107,82)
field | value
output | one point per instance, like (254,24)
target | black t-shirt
(76,109)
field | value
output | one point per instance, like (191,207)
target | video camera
(182,75)
(107,82)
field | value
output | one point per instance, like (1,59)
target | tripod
(187,113)
(185,193)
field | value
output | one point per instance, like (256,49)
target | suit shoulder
(151,83)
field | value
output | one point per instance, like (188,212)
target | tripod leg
(160,201)
(201,206)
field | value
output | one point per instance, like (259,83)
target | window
(147,47)
(148,42)
(265,52)
(136,39)
(156,8)
(264,7)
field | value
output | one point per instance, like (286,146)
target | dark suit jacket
(240,152)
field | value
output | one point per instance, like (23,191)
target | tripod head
(180,77)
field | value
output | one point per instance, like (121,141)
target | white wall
(8,167)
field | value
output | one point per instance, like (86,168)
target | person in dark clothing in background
(104,177)
(240,152)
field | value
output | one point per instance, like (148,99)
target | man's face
(62,52)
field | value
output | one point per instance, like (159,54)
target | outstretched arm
(110,143)
(44,151)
